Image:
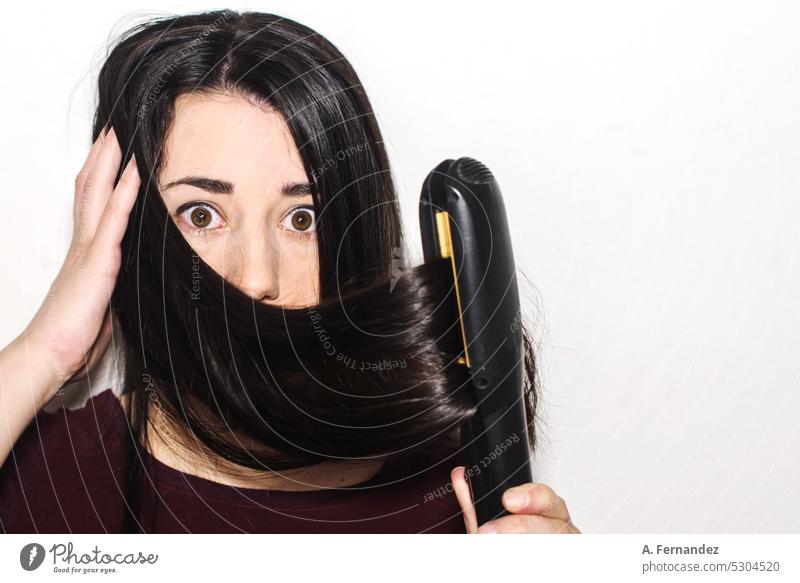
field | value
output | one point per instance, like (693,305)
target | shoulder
(61,465)
(80,430)
(85,425)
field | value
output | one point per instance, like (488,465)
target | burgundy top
(65,475)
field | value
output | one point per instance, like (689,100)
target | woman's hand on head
(72,327)
(533,507)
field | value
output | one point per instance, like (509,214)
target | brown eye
(199,216)
(302,220)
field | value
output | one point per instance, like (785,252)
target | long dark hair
(372,370)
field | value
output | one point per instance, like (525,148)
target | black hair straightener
(463,218)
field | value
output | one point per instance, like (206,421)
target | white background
(648,154)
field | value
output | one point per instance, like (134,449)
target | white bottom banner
(584,557)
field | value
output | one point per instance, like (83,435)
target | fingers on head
(80,178)
(100,205)
(117,211)
(95,182)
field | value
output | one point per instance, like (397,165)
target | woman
(238,202)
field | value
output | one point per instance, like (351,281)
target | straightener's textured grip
(473,172)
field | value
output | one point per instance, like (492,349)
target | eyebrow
(216,186)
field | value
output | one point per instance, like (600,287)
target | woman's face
(235,185)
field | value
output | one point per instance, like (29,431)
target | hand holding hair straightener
(463,218)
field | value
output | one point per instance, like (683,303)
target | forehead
(229,137)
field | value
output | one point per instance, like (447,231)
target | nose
(256,263)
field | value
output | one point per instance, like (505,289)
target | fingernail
(516,498)
(488,528)
(133,160)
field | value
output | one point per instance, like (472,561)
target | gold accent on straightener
(445,251)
